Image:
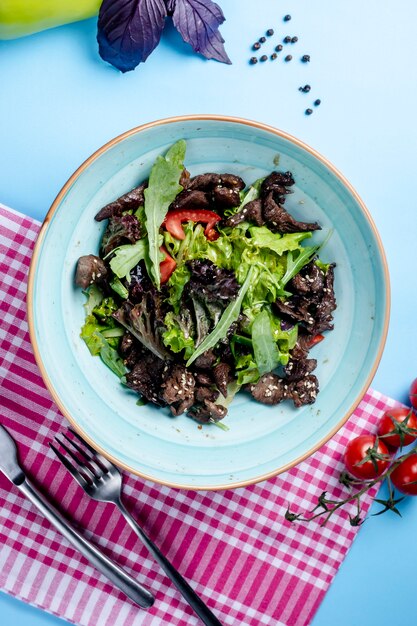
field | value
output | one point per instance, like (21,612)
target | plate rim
(38,246)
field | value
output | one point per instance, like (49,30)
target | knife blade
(10,467)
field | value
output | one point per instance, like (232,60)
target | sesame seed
(308,111)
(294,39)
(256,45)
(288,58)
(287,18)
(263,58)
(270,32)
(253,60)
(279,47)
(305,58)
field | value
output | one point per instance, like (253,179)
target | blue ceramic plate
(261,441)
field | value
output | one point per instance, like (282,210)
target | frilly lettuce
(178,334)
(101,332)
(176,284)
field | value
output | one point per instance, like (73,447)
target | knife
(10,467)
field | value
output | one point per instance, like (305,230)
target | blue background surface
(59,102)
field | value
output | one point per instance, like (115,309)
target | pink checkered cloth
(235,548)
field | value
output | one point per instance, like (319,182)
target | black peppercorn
(304,89)
(287,39)
(263,58)
(262,40)
(256,45)
(317,102)
(253,61)
(287,18)
(279,47)
(270,32)
(288,58)
(309,111)
(305,58)
(294,40)
(273,56)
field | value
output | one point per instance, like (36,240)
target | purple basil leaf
(129,30)
(198,23)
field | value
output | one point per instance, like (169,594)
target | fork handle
(183,587)
(118,576)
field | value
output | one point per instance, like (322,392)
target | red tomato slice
(167,266)
(175,218)
(314,340)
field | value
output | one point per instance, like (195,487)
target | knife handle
(119,577)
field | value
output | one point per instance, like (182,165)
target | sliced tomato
(315,339)
(175,218)
(167,266)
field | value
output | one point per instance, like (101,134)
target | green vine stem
(329,507)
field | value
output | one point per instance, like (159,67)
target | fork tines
(87,464)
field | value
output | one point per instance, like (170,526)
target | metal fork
(102,481)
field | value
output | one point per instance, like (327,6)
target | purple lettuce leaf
(198,23)
(129,30)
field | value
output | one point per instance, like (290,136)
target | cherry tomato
(167,266)
(413,393)
(394,424)
(175,218)
(366,457)
(404,477)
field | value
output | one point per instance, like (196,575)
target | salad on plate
(203,287)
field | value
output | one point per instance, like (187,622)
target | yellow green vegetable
(24,17)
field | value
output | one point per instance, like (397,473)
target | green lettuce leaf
(176,284)
(172,244)
(246,369)
(178,335)
(162,189)
(111,358)
(230,315)
(266,352)
(246,196)
(296,260)
(99,324)
(94,296)
(286,339)
(127,257)
(119,288)
(104,310)
(264,238)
